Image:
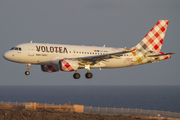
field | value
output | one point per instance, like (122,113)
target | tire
(76,76)
(88,75)
(27,73)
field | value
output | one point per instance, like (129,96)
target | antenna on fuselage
(104,46)
(31,41)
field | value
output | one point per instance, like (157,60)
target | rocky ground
(43,114)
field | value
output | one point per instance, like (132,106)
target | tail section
(154,39)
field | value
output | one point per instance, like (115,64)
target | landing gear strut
(76,75)
(88,75)
(28,68)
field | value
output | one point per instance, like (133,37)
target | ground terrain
(44,114)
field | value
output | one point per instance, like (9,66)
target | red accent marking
(157,23)
(167,57)
(49,66)
(152,29)
(146,35)
(162,29)
(72,70)
(150,40)
(161,41)
(156,47)
(67,65)
(156,35)
(133,51)
(167,22)
(161,52)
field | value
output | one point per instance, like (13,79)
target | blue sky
(116,23)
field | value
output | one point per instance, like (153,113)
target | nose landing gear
(27,73)
(28,68)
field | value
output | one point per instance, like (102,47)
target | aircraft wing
(160,55)
(91,60)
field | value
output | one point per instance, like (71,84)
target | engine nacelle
(68,65)
(49,68)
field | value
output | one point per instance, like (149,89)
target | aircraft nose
(6,55)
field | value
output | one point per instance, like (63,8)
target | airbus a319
(69,58)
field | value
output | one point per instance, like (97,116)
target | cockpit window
(16,48)
(12,48)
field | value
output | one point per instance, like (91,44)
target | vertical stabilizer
(154,39)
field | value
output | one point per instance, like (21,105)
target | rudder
(154,39)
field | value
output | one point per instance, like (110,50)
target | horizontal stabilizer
(160,55)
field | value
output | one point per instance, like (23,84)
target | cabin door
(30,50)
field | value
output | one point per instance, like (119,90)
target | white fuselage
(55,57)
(50,54)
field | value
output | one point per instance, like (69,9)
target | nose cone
(7,56)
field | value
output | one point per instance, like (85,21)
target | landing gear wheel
(28,68)
(27,73)
(89,75)
(76,75)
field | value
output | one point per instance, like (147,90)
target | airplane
(68,58)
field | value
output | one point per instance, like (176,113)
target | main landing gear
(28,68)
(88,75)
(76,75)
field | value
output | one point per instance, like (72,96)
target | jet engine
(49,68)
(68,65)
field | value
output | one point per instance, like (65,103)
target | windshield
(12,48)
(16,48)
